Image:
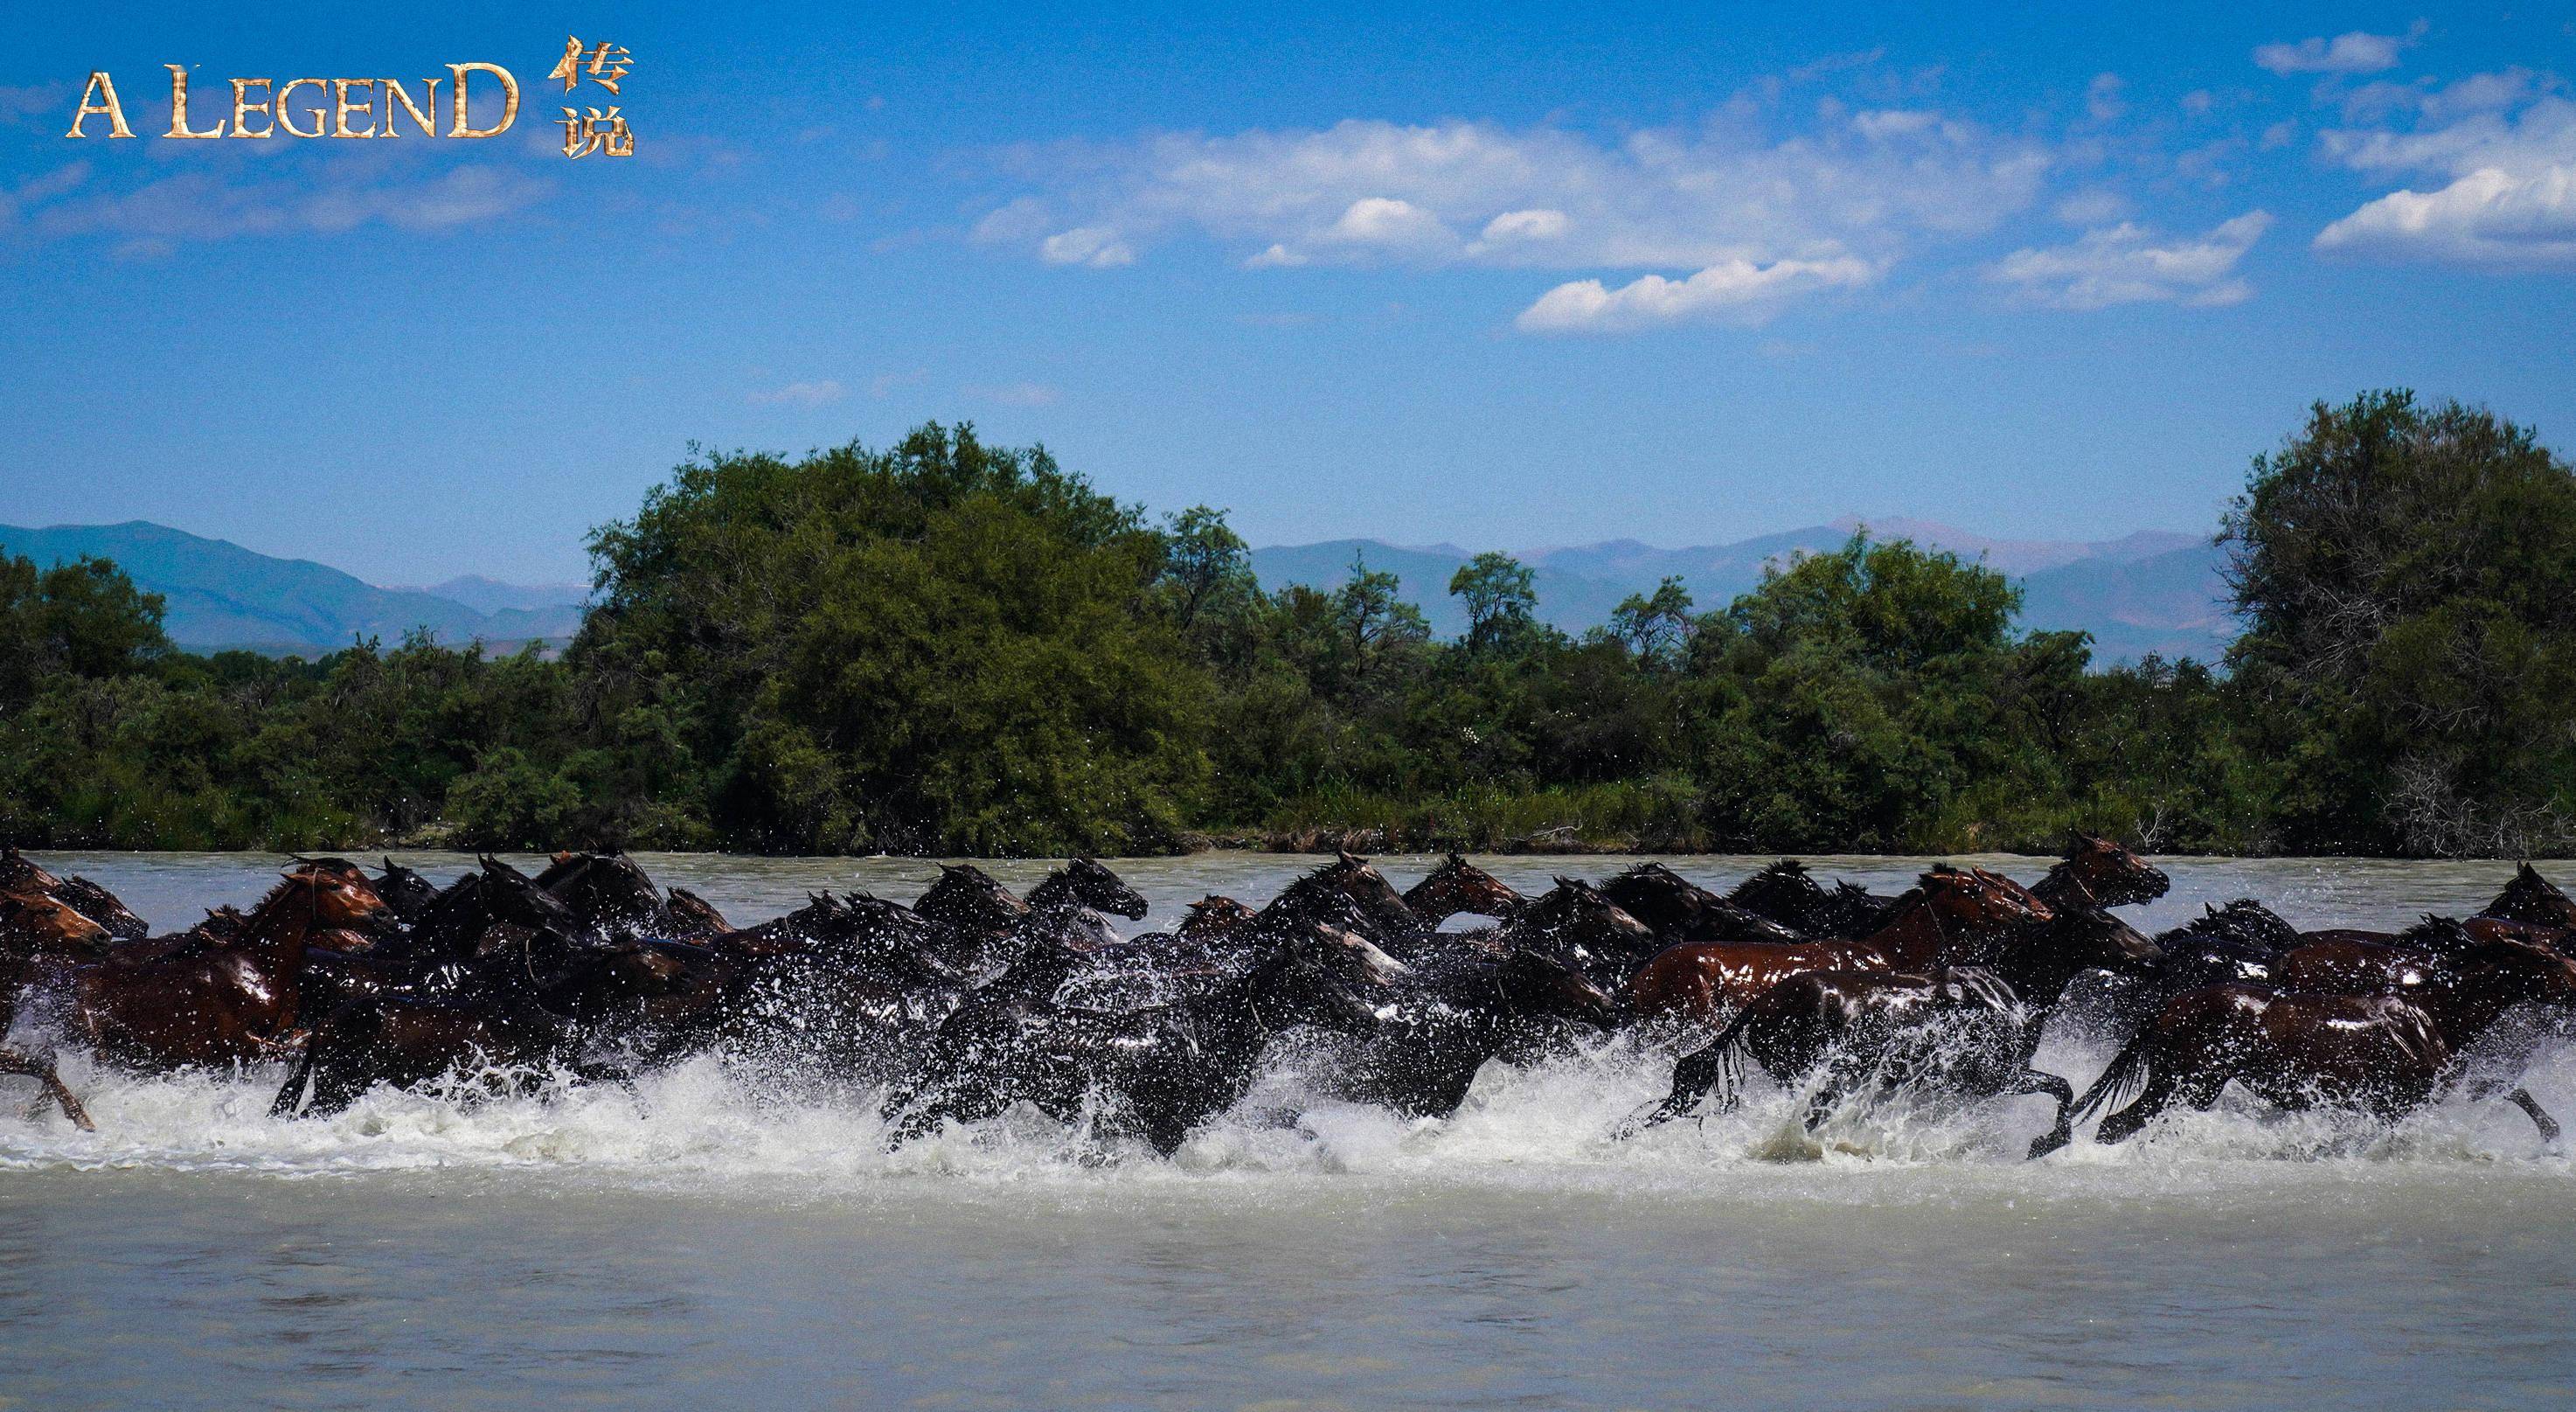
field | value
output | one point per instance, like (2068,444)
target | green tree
(2408,578)
(1500,597)
(83,619)
(1867,698)
(940,645)
(1657,627)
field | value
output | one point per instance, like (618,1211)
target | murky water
(698,1242)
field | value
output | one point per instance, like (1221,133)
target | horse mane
(2440,935)
(2244,919)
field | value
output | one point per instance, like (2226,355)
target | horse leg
(1834,1083)
(2521,1098)
(1698,1072)
(2062,1132)
(2123,1125)
(50,1085)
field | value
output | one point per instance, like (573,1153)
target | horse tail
(2123,1080)
(1715,1069)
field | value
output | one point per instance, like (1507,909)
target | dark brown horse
(210,1004)
(524,1016)
(1961,1030)
(2109,873)
(1213,918)
(1350,890)
(1680,910)
(1949,919)
(1460,886)
(2385,1054)
(21,874)
(39,931)
(1786,893)
(2532,900)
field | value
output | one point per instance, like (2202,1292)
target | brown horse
(208,1004)
(1460,886)
(1213,917)
(37,930)
(2111,874)
(1948,920)
(21,874)
(2384,1054)
(2532,900)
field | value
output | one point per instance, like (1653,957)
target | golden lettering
(243,108)
(394,93)
(340,109)
(106,107)
(509,100)
(179,106)
(288,92)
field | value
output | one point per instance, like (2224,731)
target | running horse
(203,1003)
(1460,886)
(1952,917)
(2385,1054)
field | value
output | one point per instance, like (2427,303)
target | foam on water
(708,1123)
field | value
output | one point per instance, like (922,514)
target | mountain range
(218,594)
(2153,591)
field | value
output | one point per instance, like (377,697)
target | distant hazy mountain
(493,596)
(2153,591)
(2147,592)
(222,595)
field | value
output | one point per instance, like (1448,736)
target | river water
(699,1242)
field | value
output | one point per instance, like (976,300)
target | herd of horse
(974,999)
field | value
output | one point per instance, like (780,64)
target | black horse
(1163,1069)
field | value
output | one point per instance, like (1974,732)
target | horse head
(39,921)
(2533,900)
(1574,913)
(2115,876)
(1534,984)
(1320,974)
(1976,901)
(1460,886)
(1085,882)
(404,890)
(1214,916)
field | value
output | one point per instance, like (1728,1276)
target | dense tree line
(948,647)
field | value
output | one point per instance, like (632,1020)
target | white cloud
(2503,192)
(1097,247)
(1524,225)
(2489,217)
(1737,289)
(1686,197)
(2353,53)
(2129,264)
(322,197)
(2102,100)
(800,394)
(1389,224)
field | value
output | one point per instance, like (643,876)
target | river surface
(700,1242)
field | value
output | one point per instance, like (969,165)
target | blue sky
(1501,277)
